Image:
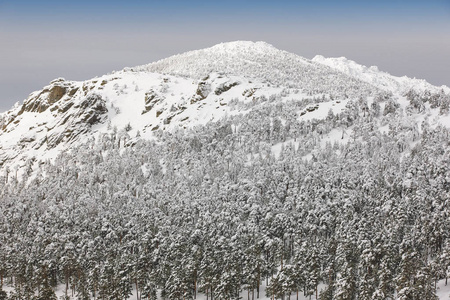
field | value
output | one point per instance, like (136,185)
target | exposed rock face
(225,87)
(48,97)
(249,92)
(57,96)
(56,93)
(90,111)
(67,114)
(202,92)
(151,99)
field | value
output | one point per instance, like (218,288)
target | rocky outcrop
(91,109)
(56,93)
(203,89)
(48,97)
(151,99)
(225,87)
(77,119)
(57,96)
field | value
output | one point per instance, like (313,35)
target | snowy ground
(443,293)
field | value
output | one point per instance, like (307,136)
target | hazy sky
(78,40)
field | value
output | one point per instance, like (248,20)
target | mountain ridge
(188,90)
(374,76)
(258,60)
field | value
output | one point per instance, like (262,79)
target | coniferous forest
(216,210)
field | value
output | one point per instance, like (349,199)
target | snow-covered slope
(140,103)
(184,91)
(261,61)
(341,148)
(375,77)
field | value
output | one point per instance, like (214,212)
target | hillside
(235,171)
(187,90)
(377,78)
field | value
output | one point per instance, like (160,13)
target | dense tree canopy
(216,210)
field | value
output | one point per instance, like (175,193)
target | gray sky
(43,40)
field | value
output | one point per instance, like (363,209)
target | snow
(322,110)
(376,77)
(124,94)
(255,66)
(60,292)
(443,292)
(176,92)
(335,135)
(341,136)
(276,149)
(244,46)
(384,129)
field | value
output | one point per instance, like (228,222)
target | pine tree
(405,285)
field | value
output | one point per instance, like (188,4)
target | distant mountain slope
(188,90)
(261,61)
(377,78)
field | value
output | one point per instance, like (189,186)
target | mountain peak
(227,57)
(236,46)
(262,61)
(189,90)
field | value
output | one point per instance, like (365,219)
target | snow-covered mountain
(184,91)
(219,173)
(263,62)
(375,77)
